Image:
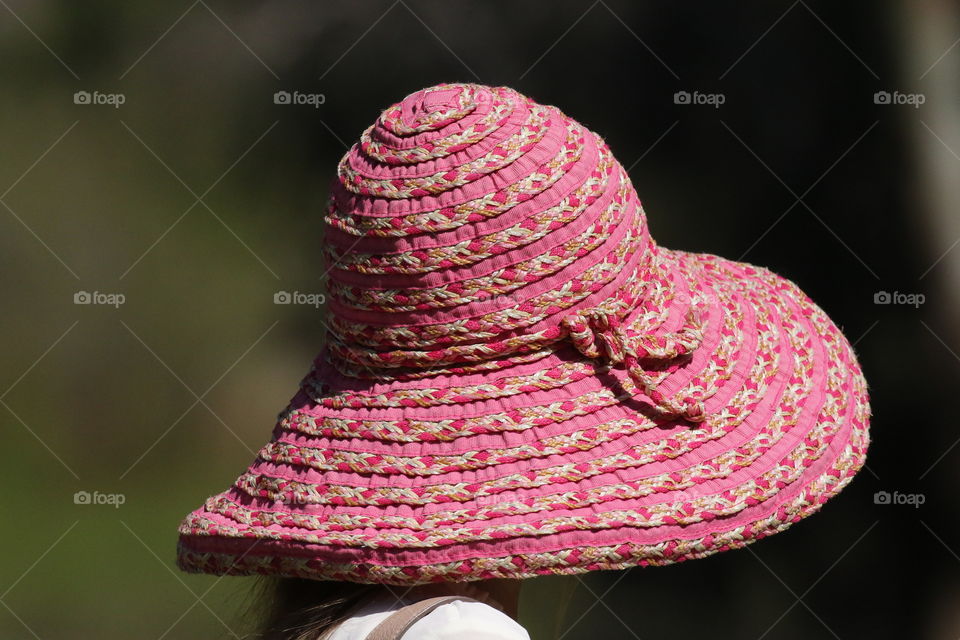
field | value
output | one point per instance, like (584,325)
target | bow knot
(598,332)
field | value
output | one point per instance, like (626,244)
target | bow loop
(599,332)
(592,333)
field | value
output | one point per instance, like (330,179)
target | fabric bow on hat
(598,332)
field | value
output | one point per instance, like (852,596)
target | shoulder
(465,620)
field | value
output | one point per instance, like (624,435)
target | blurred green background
(198,198)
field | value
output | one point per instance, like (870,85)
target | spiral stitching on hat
(431,119)
(529,135)
(487,124)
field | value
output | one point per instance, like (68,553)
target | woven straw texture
(517,380)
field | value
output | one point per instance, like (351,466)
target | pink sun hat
(517,380)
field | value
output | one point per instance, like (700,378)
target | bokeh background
(820,139)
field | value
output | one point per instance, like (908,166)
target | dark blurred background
(145,156)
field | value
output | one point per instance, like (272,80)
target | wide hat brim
(559,465)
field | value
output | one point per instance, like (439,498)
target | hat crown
(468,216)
(430,109)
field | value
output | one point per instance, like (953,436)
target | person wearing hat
(518,381)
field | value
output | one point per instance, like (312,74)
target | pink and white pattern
(519,381)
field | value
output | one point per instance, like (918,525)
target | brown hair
(298,609)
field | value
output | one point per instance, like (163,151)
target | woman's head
(299,609)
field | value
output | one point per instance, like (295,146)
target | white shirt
(457,620)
